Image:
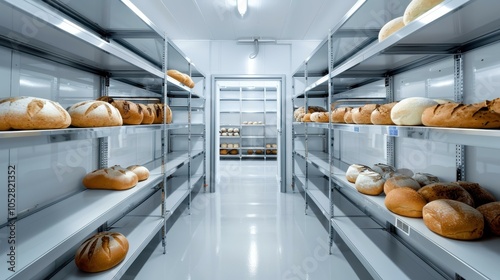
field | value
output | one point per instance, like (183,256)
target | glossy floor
(247,230)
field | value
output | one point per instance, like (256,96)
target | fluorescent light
(242,7)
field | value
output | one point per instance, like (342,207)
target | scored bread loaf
(158,110)
(353,171)
(141,172)
(479,194)
(417,8)
(390,27)
(362,115)
(101,252)
(400,181)
(148,114)
(446,191)
(338,114)
(348,116)
(111,178)
(94,113)
(453,219)
(322,117)
(382,114)
(409,110)
(479,115)
(405,202)
(32,113)
(369,182)
(491,214)
(131,113)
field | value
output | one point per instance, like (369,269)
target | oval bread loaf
(148,114)
(479,194)
(491,214)
(233,152)
(338,114)
(479,115)
(26,112)
(382,114)
(362,115)
(417,8)
(405,202)
(101,252)
(446,191)
(141,172)
(223,152)
(94,114)
(369,182)
(409,110)
(390,27)
(353,171)
(306,117)
(131,113)
(111,178)
(322,117)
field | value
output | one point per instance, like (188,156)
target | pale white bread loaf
(362,115)
(111,178)
(338,114)
(390,27)
(491,214)
(230,129)
(139,170)
(322,117)
(443,101)
(369,182)
(453,219)
(353,171)
(400,181)
(101,252)
(131,113)
(223,145)
(405,202)
(409,110)
(417,8)
(382,114)
(446,191)
(148,114)
(479,194)
(94,113)
(479,115)
(230,146)
(425,178)
(236,145)
(348,116)
(32,113)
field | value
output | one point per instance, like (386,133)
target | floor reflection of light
(253,230)
(253,259)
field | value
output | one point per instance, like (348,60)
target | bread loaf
(139,170)
(390,27)
(32,113)
(425,178)
(322,117)
(453,219)
(491,214)
(148,114)
(111,178)
(94,114)
(417,8)
(362,115)
(131,113)
(233,152)
(258,152)
(400,181)
(383,169)
(446,191)
(405,202)
(479,194)
(409,110)
(181,77)
(223,151)
(479,115)
(250,152)
(306,117)
(338,114)
(353,171)
(348,116)
(158,109)
(101,252)
(369,182)
(382,114)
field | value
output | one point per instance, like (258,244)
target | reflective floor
(247,230)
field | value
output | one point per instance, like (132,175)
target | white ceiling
(267,19)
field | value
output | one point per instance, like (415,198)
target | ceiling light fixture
(242,7)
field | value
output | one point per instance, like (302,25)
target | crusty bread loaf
(348,116)
(223,151)
(188,81)
(111,178)
(425,178)
(250,151)
(369,182)
(158,109)
(338,114)
(446,191)
(479,194)
(362,115)
(94,114)
(101,252)
(479,115)
(139,170)
(383,169)
(322,117)
(32,113)
(233,152)
(382,114)
(181,77)
(409,110)
(390,27)
(405,202)
(417,8)
(491,214)
(131,113)
(258,152)
(453,219)
(148,114)
(306,117)
(400,181)
(353,171)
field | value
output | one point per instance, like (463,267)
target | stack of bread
(300,114)
(181,77)
(458,210)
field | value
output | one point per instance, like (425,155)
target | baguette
(480,115)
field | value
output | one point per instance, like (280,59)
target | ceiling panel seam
(204,19)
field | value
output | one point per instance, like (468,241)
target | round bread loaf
(237,130)
(224,134)
(425,179)
(369,182)
(297,114)
(382,114)
(400,181)
(258,152)
(450,191)
(268,146)
(223,151)
(236,145)
(491,214)
(158,109)
(268,152)
(274,151)
(405,202)
(250,152)
(362,115)
(111,178)
(348,116)
(32,113)
(230,129)
(383,169)
(101,252)
(233,152)
(409,110)
(223,129)
(131,113)
(306,117)
(479,194)
(417,8)
(338,114)
(390,27)
(274,145)
(236,134)
(230,146)
(223,145)
(322,117)
(147,113)
(139,170)
(94,114)
(453,219)
(353,171)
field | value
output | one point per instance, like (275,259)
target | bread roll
(111,178)
(353,171)
(382,114)
(405,202)
(322,117)
(491,214)
(400,181)
(338,114)
(148,114)
(409,110)
(446,191)
(348,116)
(453,219)
(306,117)
(425,179)
(139,170)
(94,114)
(101,252)
(369,182)
(32,113)
(362,115)
(268,152)
(131,113)
(223,151)
(479,194)
(390,27)
(479,115)
(417,8)
(233,152)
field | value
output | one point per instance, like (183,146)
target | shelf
(320,161)
(253,137)
(175,199)
(318,125)
(178,159)
(248,99)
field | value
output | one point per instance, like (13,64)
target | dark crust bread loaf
(382,114)
(362,115)
(101,252)
(337,115)
(479,115)
(446,191)
(158,112)
(148,114)
(491,213)
(405,202)
(479,194)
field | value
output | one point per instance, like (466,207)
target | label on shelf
(356,129)
(404,227)
(393,131)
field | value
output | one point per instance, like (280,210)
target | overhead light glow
(242,7)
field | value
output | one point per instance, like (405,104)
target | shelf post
(459,97)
